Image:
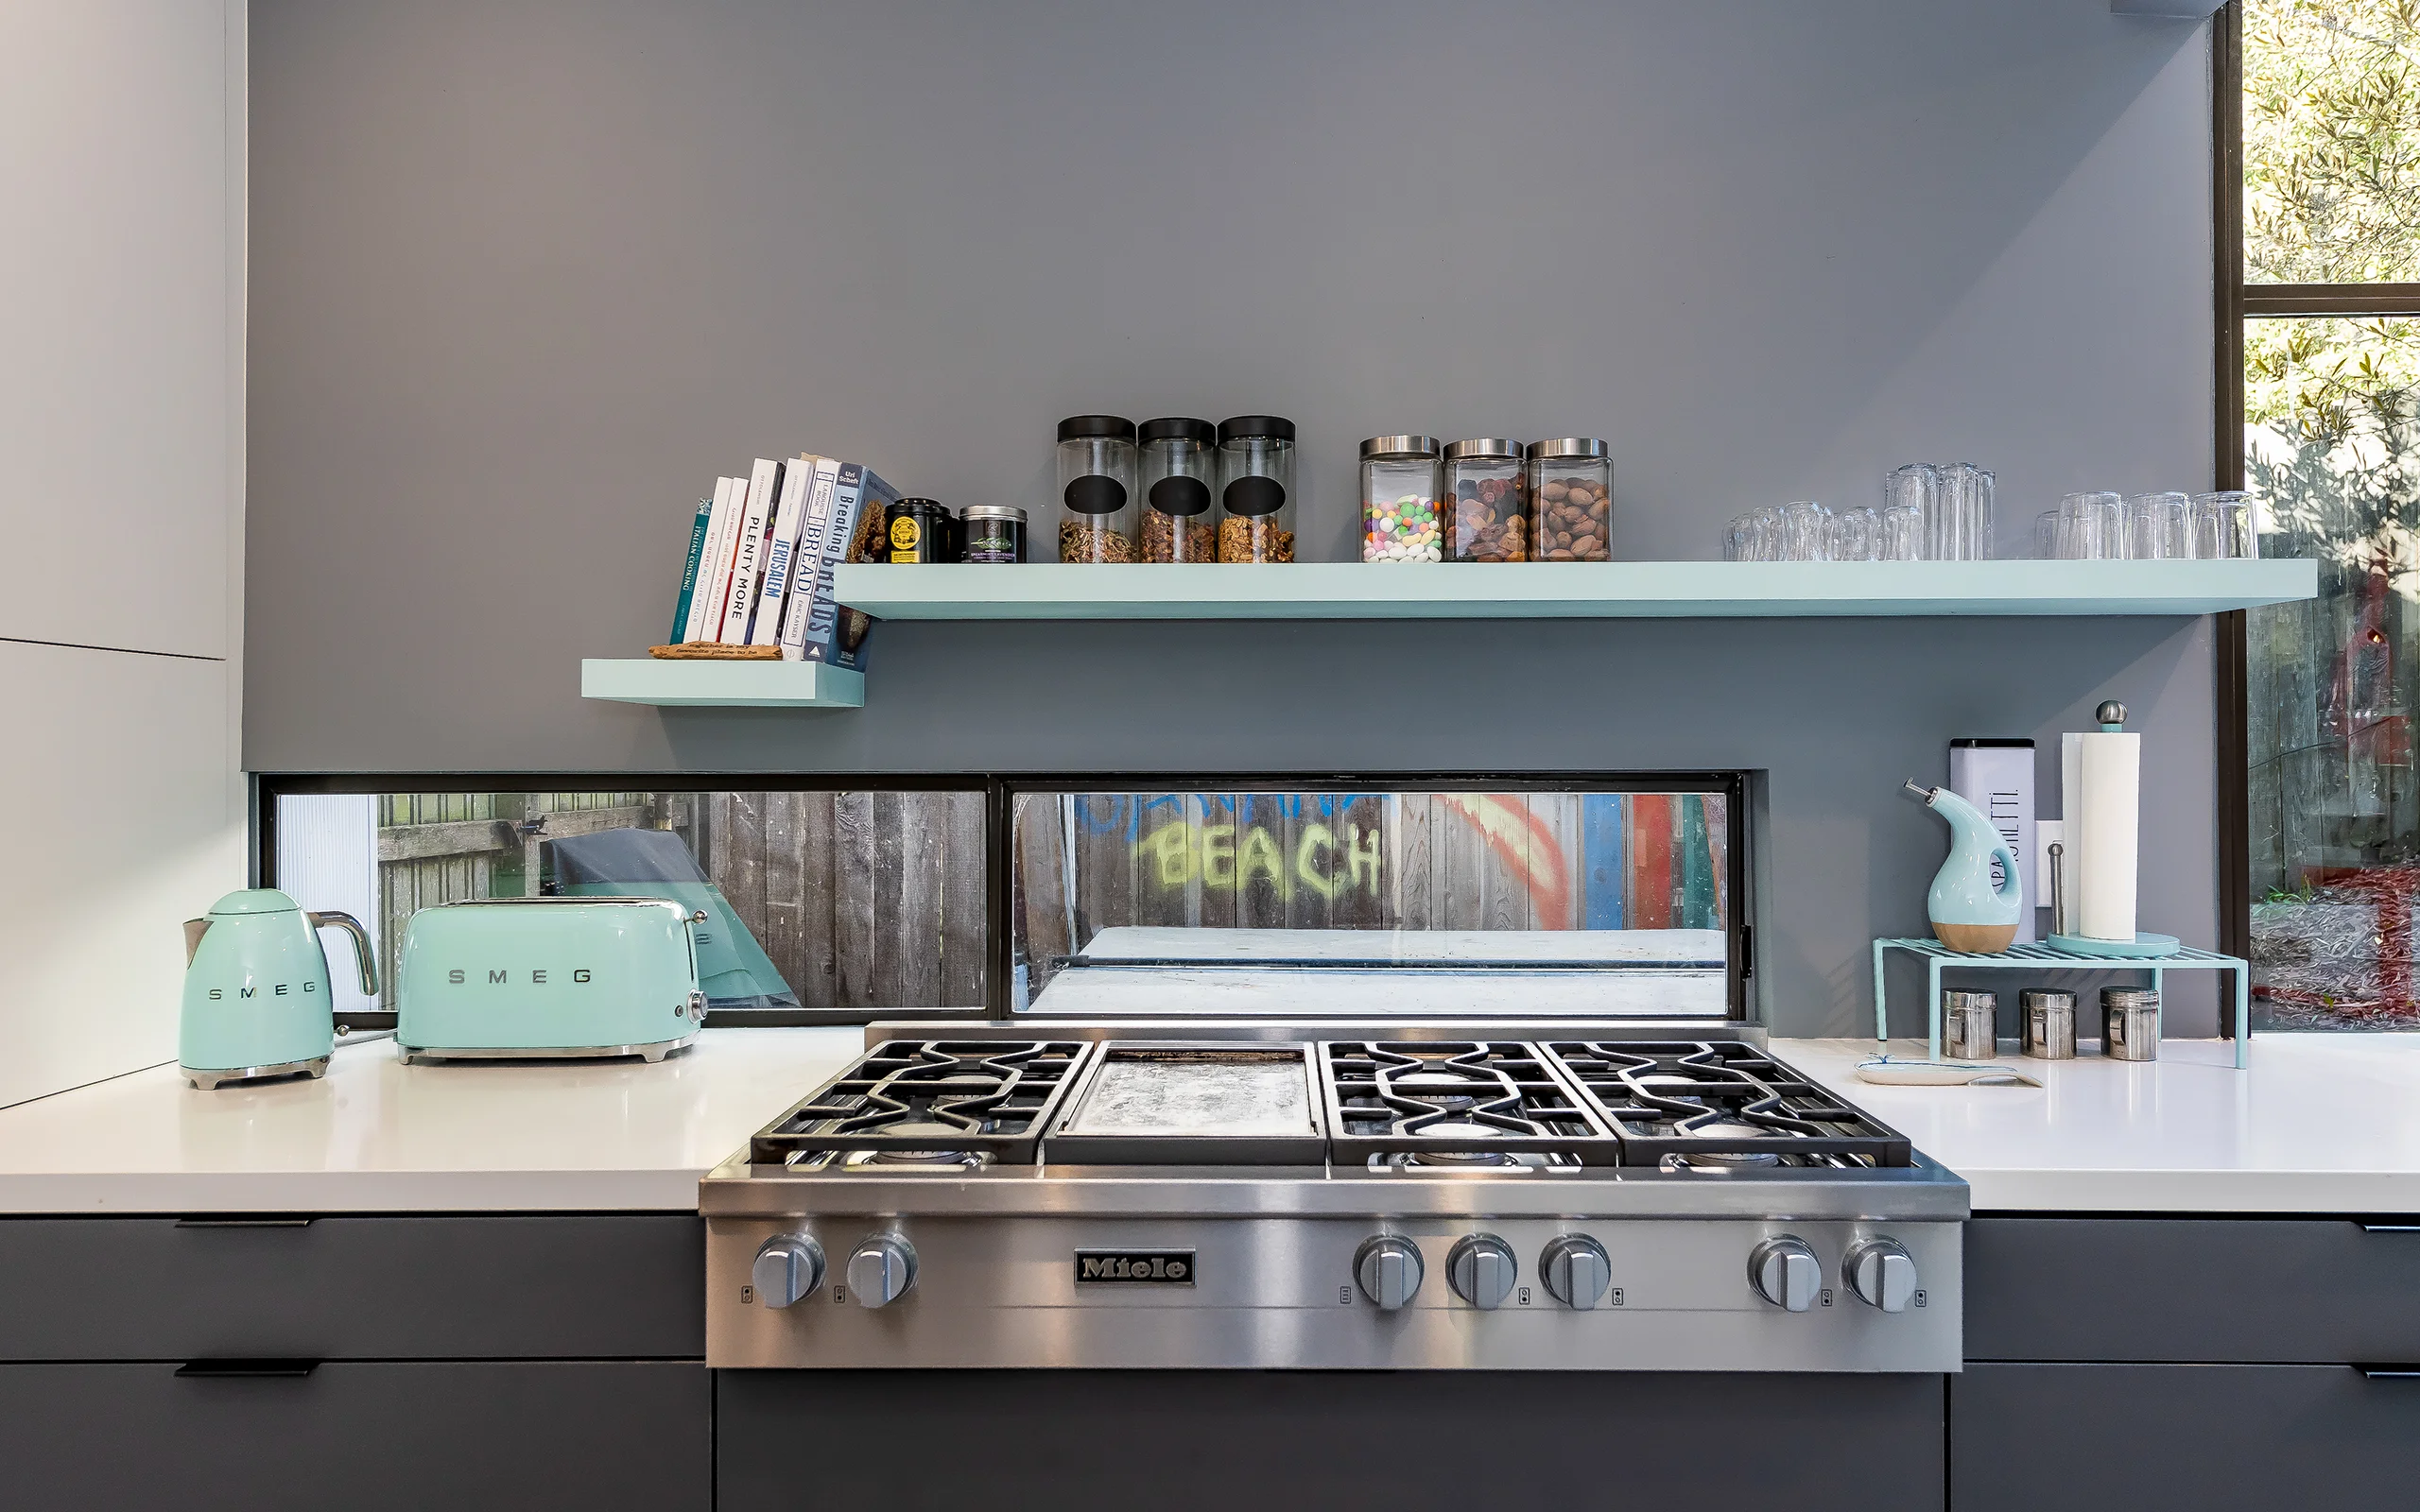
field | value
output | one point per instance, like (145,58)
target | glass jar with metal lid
(1399,476)
(1487,512)
(1571,500)
(1256,489)
(1180,472)
(1097,489)
(993,533)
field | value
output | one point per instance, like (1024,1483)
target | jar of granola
(1256,489)
(1180,472)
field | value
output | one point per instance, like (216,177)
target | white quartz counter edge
(2314,1124)
(375,1136)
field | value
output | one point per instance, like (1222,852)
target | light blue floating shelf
(722,684)
(1621,589)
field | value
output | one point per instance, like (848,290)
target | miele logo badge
(1153,1267)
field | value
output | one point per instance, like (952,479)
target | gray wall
(526,276)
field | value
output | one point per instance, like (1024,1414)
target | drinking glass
(1965,509)
(1902,533)
(1740,542)
(2088,525)
(1856,536)
(2046,534)
(2222,526)
(2159,526)
(1917,486)
(1805,531)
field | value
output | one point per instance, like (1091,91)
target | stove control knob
(1880,1272)
(789,1268)
(1481,1269)
(881,1270)
(1575,1270)
(1785,1272)
(1388,1270)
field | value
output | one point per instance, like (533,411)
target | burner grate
(1691,1104)
(979,1097)
(1482,1101)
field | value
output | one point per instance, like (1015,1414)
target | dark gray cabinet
(365,1436)
(364,1362)
(2214,1437)
(1240,1440)
(2118,1364)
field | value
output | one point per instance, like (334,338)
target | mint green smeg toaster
(544,977)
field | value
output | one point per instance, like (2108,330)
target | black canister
(993,533)
(917,531)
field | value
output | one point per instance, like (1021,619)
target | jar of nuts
(1180,472)
(1097,489)
(1256,490)
(1488,514)
(1571,498)
(1399,500)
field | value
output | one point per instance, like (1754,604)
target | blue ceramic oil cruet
(1968,912)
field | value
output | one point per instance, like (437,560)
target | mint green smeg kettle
(256,1001)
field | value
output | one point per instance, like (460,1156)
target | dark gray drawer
(2213,1437)
(526,1434)
(502,1288)
(2290,1289)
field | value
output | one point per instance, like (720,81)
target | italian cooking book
(689,569)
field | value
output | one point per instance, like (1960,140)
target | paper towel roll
(2107,814)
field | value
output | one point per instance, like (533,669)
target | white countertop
(375,1136)
(2314,1124)
(2317,1124)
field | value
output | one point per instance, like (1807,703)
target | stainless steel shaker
(2129,1022)
(2046,1023)
(1970,1025)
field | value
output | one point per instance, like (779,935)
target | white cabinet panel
(116,329)
(123,817)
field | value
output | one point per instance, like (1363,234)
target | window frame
(2237,302)
(1737,787)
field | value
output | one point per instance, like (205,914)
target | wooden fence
(861,900)
(1492,861)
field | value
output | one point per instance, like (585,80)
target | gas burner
(1454,1104)
(1472,1163)
(1719,1104)
(935,1103)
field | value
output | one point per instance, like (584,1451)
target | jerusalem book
(713,568)
(781,549)
(689,570)
(748,560)
(813,522)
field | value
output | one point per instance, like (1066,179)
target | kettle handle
(361,954)
(195,929)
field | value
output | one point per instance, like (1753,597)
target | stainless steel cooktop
(1145,1195)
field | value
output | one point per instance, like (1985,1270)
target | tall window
(2331,296)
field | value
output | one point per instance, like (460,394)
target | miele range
(1348,1197)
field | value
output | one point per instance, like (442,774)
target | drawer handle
(244,1222)
(2390,1227)
(2390,1372)
(268,1369)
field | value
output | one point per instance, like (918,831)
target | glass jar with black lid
(1256,489)
(1097,489)
(1179,466)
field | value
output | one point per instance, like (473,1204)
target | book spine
(781,549)
(748,560)
(864,543)
(689,569)
(814,526)
(839,532)
(713,568)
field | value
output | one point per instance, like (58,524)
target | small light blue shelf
(722,684)
(1621,589)
(2038,958)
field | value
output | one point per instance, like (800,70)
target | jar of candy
(1487,513)
(1399,475)
(1180,474)
(1256,489)
(1097,489)
(1571,501)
